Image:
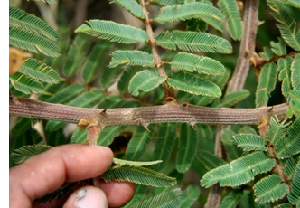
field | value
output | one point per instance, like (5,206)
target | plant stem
(168,91)
(170,112)
(247,46)
(237,81)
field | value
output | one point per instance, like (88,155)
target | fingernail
(90,197)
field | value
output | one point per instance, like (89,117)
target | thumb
(87,197)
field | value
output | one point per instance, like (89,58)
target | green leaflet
(250,142)
(290,166)
(230,201)
(193,84)
(146,81)
(168,199)
(21,154)
(230,10)
(279,48)
(121,162)
(65,95)
(125,78)
(239,171)
(295,102)
(267,54)
(294,196)
(39,71)
(187,149)
(207,13)
(208,160)
(190,195)
(275,131)
(96,61)
(137,144)
(295,3)
(107,135)
(269,189)
(193,41)
(79,136)
(286,147)
(76,55)
(233,151)
(133,58)
(25,83)
(32,23)
(109,76)
(201,64)
(113,32)
(295,75)
(131,6)
(247,129)
(266,84)
(138,175)
(233,98)
(164,142)
(32,42)
(284,69)
(21,126)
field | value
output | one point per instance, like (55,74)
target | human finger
(45,173)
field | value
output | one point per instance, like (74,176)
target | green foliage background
(109,73)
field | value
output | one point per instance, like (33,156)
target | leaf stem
(168,91)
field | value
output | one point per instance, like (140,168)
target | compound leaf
(294,196)
(275,131)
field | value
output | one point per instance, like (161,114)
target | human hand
(47,172)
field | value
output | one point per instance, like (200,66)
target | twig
(237,81)
(170,112)
(262,63)
(168,91)
(247,46)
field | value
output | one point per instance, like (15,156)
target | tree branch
(170,112)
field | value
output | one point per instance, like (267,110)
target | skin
(47,172)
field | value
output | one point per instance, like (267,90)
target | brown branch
(237,81)
(168,91)
(247,46)
(170,112)
(262,63)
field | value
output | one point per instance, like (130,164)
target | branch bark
(170,112)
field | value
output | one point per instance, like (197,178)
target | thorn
(192,125)
(269,110)
(185,104)
(145,126)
